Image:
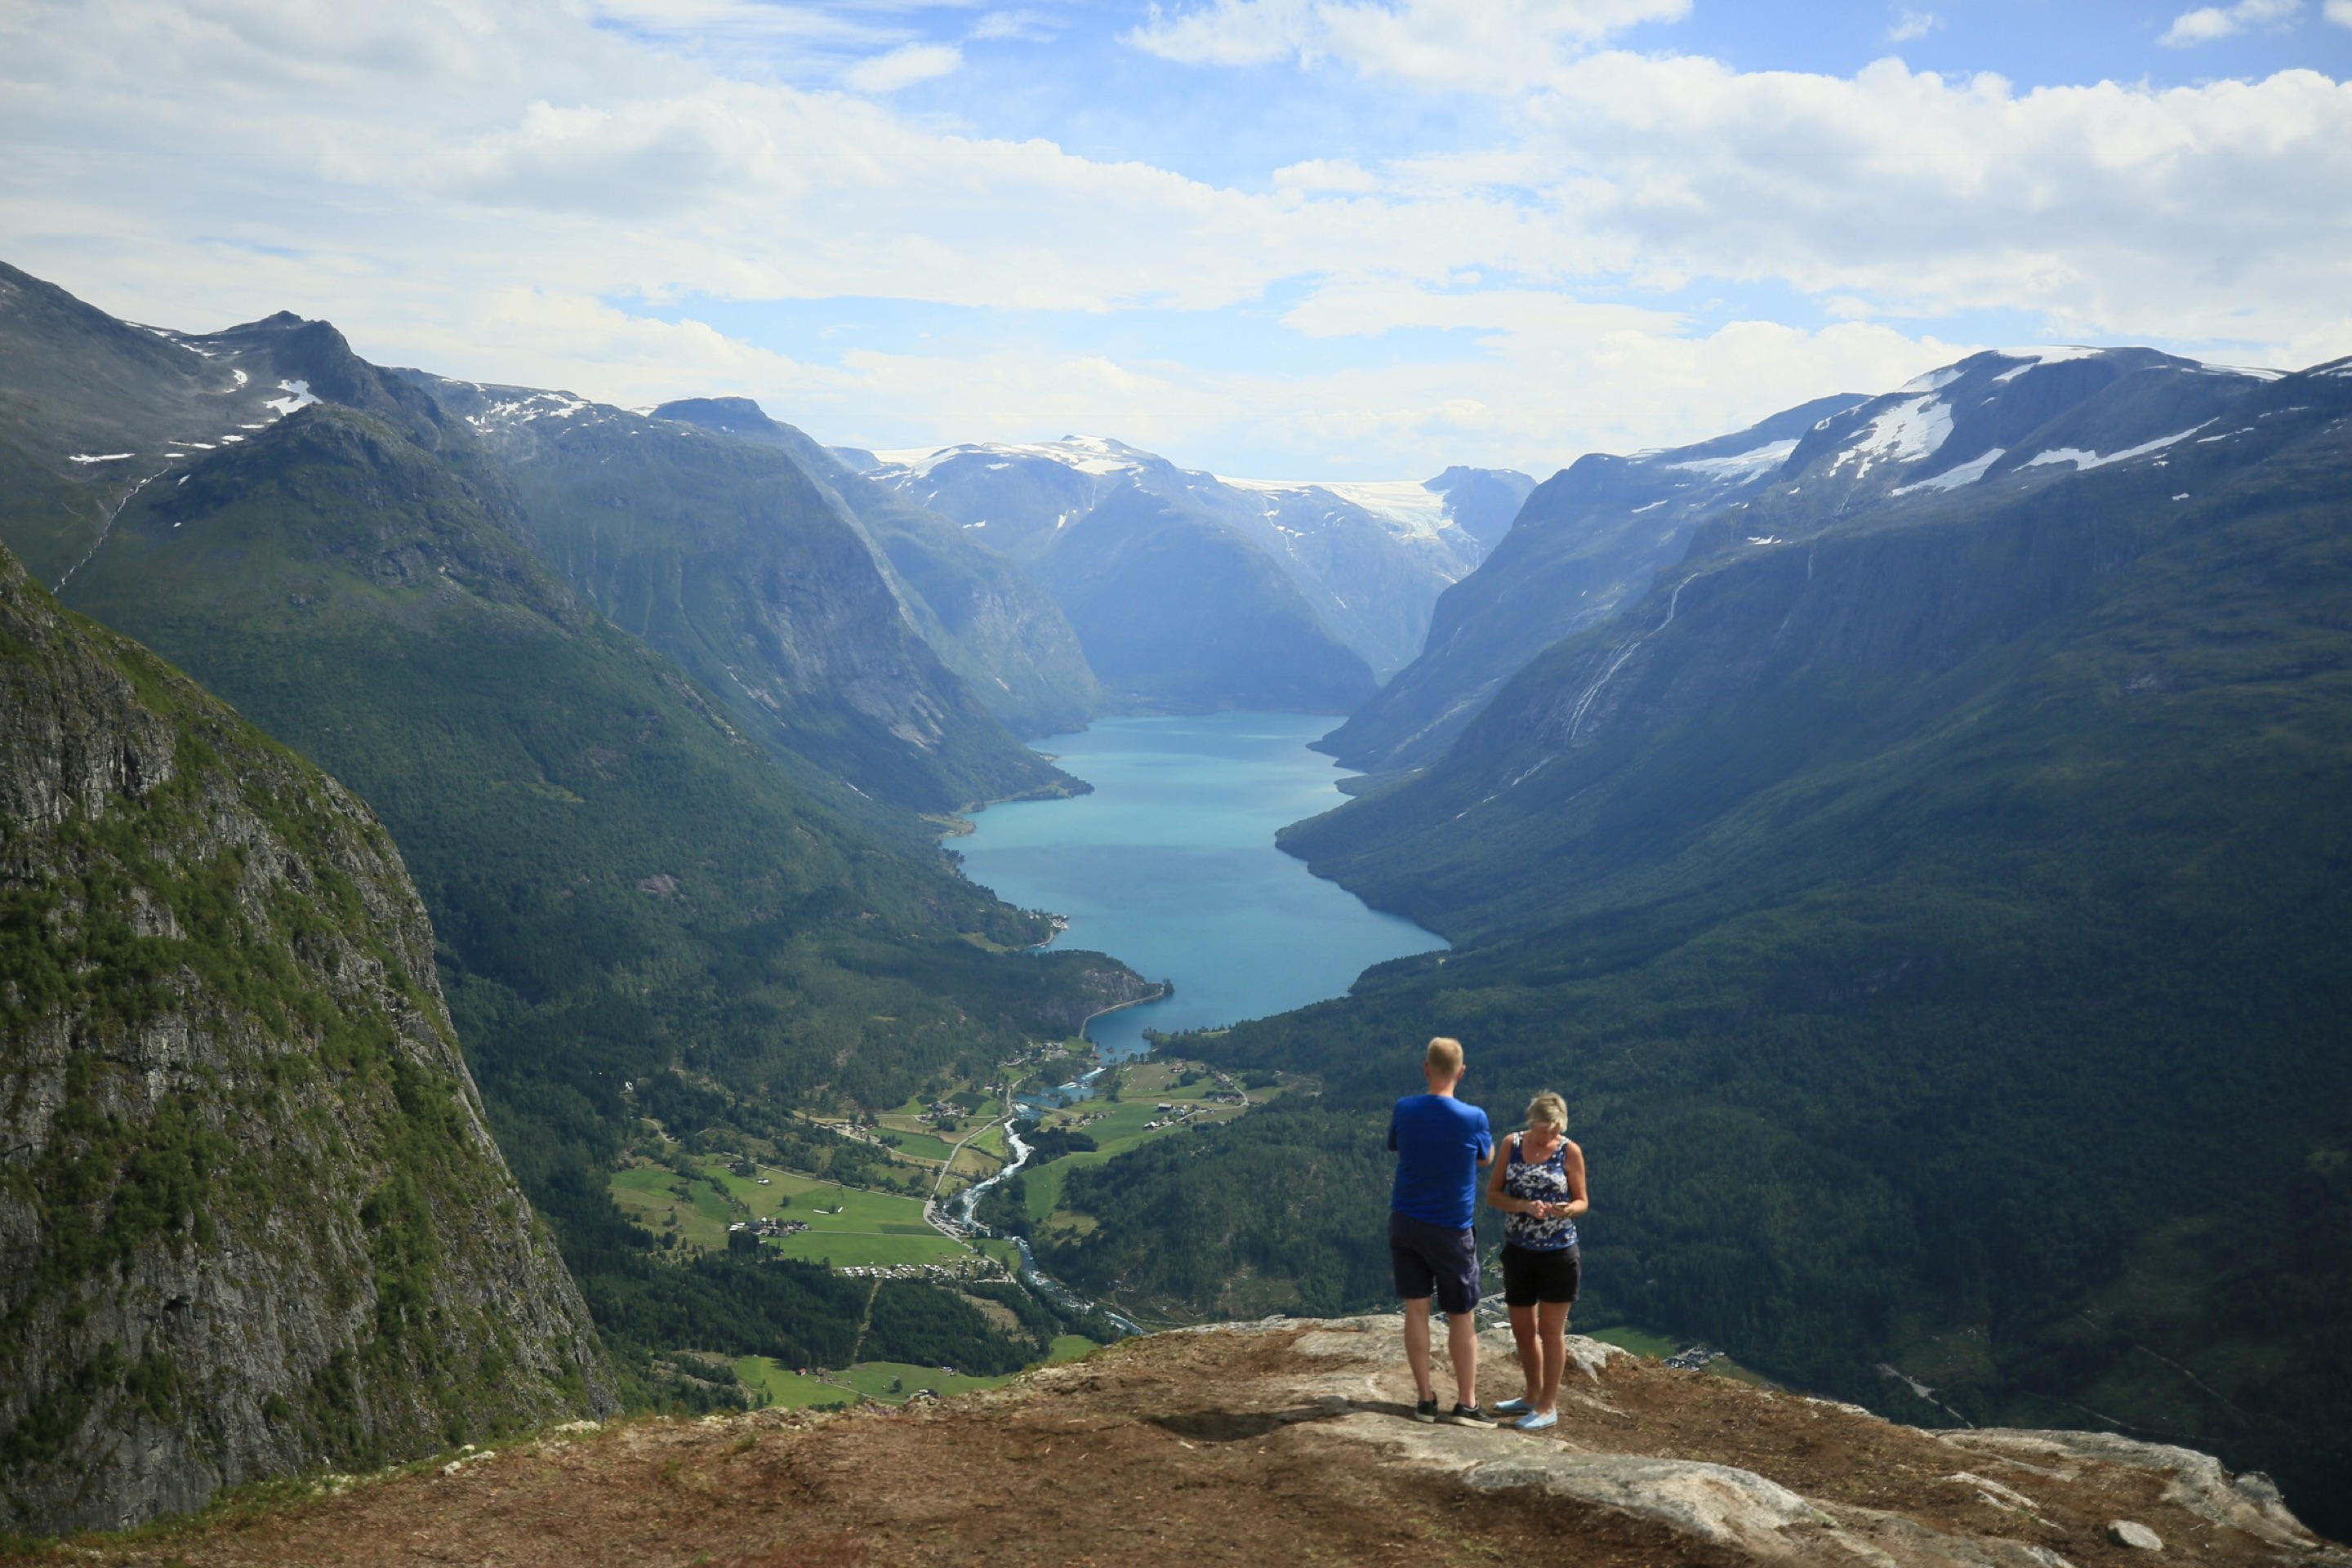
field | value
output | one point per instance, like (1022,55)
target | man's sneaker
(1426,1410)
(1469,1415)
(1538,1421)
(1513,1407)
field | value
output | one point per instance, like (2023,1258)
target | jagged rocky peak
(1294,1439)
(251,1220)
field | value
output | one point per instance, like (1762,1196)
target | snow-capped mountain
(2006,411)
(1587,540)
(1591,539)
(1370,558)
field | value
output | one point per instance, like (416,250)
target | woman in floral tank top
(1538,1185)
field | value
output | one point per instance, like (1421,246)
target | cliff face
(250,1217)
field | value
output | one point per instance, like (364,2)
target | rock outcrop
(1287,1441)
(251,1220)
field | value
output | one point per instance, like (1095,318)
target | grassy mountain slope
(624,887)
(1938,921)
(993,627)
(1177,613)
(253,1220)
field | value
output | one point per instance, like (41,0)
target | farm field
(1117,1127)
(918,1145)
(872,1229)
(785,1389)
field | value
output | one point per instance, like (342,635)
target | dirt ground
(1197,1447)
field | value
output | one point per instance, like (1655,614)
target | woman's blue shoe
(1512,1407)
(1537,1420)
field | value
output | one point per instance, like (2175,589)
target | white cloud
(476,186)
(903,66)
(1024,26)
(1325,174)
(2207,23)
(1482,45)
(2340,12)
(1913,25)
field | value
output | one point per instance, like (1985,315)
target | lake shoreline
(1171,865)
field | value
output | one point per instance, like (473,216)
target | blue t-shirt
(1438,1142)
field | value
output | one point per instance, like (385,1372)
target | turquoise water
(1171,865)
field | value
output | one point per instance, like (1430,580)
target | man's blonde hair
(1548,1109)
(1444,1058)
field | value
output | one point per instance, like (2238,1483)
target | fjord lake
(1171,866)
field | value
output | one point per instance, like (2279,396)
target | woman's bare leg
(1552,1325)
(1531,1364)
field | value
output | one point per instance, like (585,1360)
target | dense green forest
(1942,934)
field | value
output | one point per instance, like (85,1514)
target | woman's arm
(1494,1197)
(1571,1162)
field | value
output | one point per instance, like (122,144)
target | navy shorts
(1434,1259)
(1552,1277)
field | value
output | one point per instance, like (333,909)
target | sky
(1336,239)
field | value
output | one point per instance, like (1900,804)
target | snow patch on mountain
(1091,455)
(1934,381)
(1406,508)
(2045,355)
(1952,479)
(1904,434)
(2083,459)
(298,395)
(1739,465)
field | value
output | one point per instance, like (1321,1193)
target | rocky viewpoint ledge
(1285,1441)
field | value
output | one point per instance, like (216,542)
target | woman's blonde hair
(1548,1109)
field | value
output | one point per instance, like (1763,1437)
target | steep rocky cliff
(250,1217)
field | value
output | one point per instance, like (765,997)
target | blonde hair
(1444,1057)
(1548,1109)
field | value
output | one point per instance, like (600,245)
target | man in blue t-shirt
(1439,1144)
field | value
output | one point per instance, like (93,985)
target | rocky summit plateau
(1283,1440)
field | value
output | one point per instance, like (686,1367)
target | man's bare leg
(1462,1344)
(1416,1346)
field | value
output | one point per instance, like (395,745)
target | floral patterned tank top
(1544,1180)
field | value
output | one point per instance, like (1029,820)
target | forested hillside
(250,1219)
(1934,908)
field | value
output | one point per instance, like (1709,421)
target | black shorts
(1432,1258)
(1529,1276)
